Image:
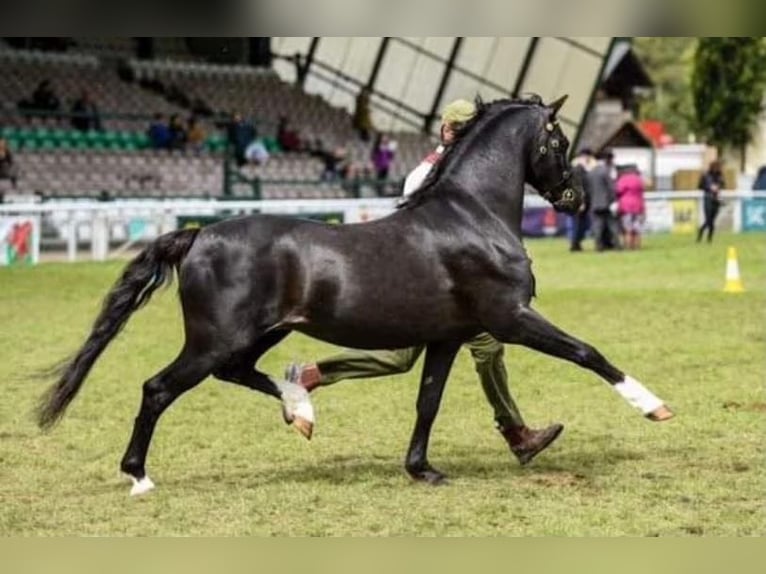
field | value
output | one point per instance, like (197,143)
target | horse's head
(550,172)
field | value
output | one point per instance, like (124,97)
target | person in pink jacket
(631,207)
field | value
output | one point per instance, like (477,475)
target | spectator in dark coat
(44,99)
(8,169)
(159,133)
(240,133)
(760,180)
(85,113)
(177,131)
(581,220)
(711,183)
(600,185)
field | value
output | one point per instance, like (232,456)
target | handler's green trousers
(487,354)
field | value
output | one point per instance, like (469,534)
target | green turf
(225,464)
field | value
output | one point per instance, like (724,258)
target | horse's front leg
(524,326)
(439,358)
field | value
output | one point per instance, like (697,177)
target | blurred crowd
(614,210)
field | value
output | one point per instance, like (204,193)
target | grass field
(225,464)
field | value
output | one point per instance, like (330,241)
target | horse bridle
(563,187)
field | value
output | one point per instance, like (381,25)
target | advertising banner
(19,240)
(685,215)
(543,222)
(659,216)
(754,214)
(187,221)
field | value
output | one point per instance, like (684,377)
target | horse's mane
(485,112)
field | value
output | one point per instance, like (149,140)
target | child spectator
(195,133)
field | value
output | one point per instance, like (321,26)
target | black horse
(245,283)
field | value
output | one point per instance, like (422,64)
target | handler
(525,443)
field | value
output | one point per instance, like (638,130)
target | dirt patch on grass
(559,479)
(756,407)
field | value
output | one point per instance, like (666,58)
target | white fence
(125,222)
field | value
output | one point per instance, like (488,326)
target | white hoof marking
(296,401)
(141,486)
(638,395)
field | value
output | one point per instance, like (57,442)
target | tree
(728,86)
(669,64)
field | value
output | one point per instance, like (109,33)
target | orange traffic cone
(733,280)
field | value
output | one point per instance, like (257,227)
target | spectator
(600,186)
(287,137)
(711,183)
(632,210)
(85,116)
(195,133)
(178,135)
(256,152)
(362,121)
(583,163)
(335,163)
(240,134)
(8,169)
(760,180)
(382,156)
(159,133)
(44,99)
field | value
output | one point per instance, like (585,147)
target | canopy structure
(411,78)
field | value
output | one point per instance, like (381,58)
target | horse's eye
(543,149)
(555,144)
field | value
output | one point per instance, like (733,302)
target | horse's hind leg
(239,369)
(187,371)
(527,327)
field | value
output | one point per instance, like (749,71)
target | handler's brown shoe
(527,443)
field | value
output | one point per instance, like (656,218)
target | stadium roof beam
(449,66)
(378,61)
(525,66)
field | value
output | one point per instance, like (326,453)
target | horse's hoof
(141,486)
(297,408)
(430,476)
(287,417)
(660,414)
(305,427)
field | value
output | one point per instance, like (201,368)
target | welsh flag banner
(19,240)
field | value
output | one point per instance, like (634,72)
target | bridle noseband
(563,188)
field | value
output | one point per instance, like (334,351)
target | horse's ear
(556,106)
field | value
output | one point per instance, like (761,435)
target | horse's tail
(150,269)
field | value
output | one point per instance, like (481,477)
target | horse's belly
(372,337)
(400,319)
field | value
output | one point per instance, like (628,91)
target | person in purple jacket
(382,156)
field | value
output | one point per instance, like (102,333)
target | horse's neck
(495,180)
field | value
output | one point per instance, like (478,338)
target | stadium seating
(55,159)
